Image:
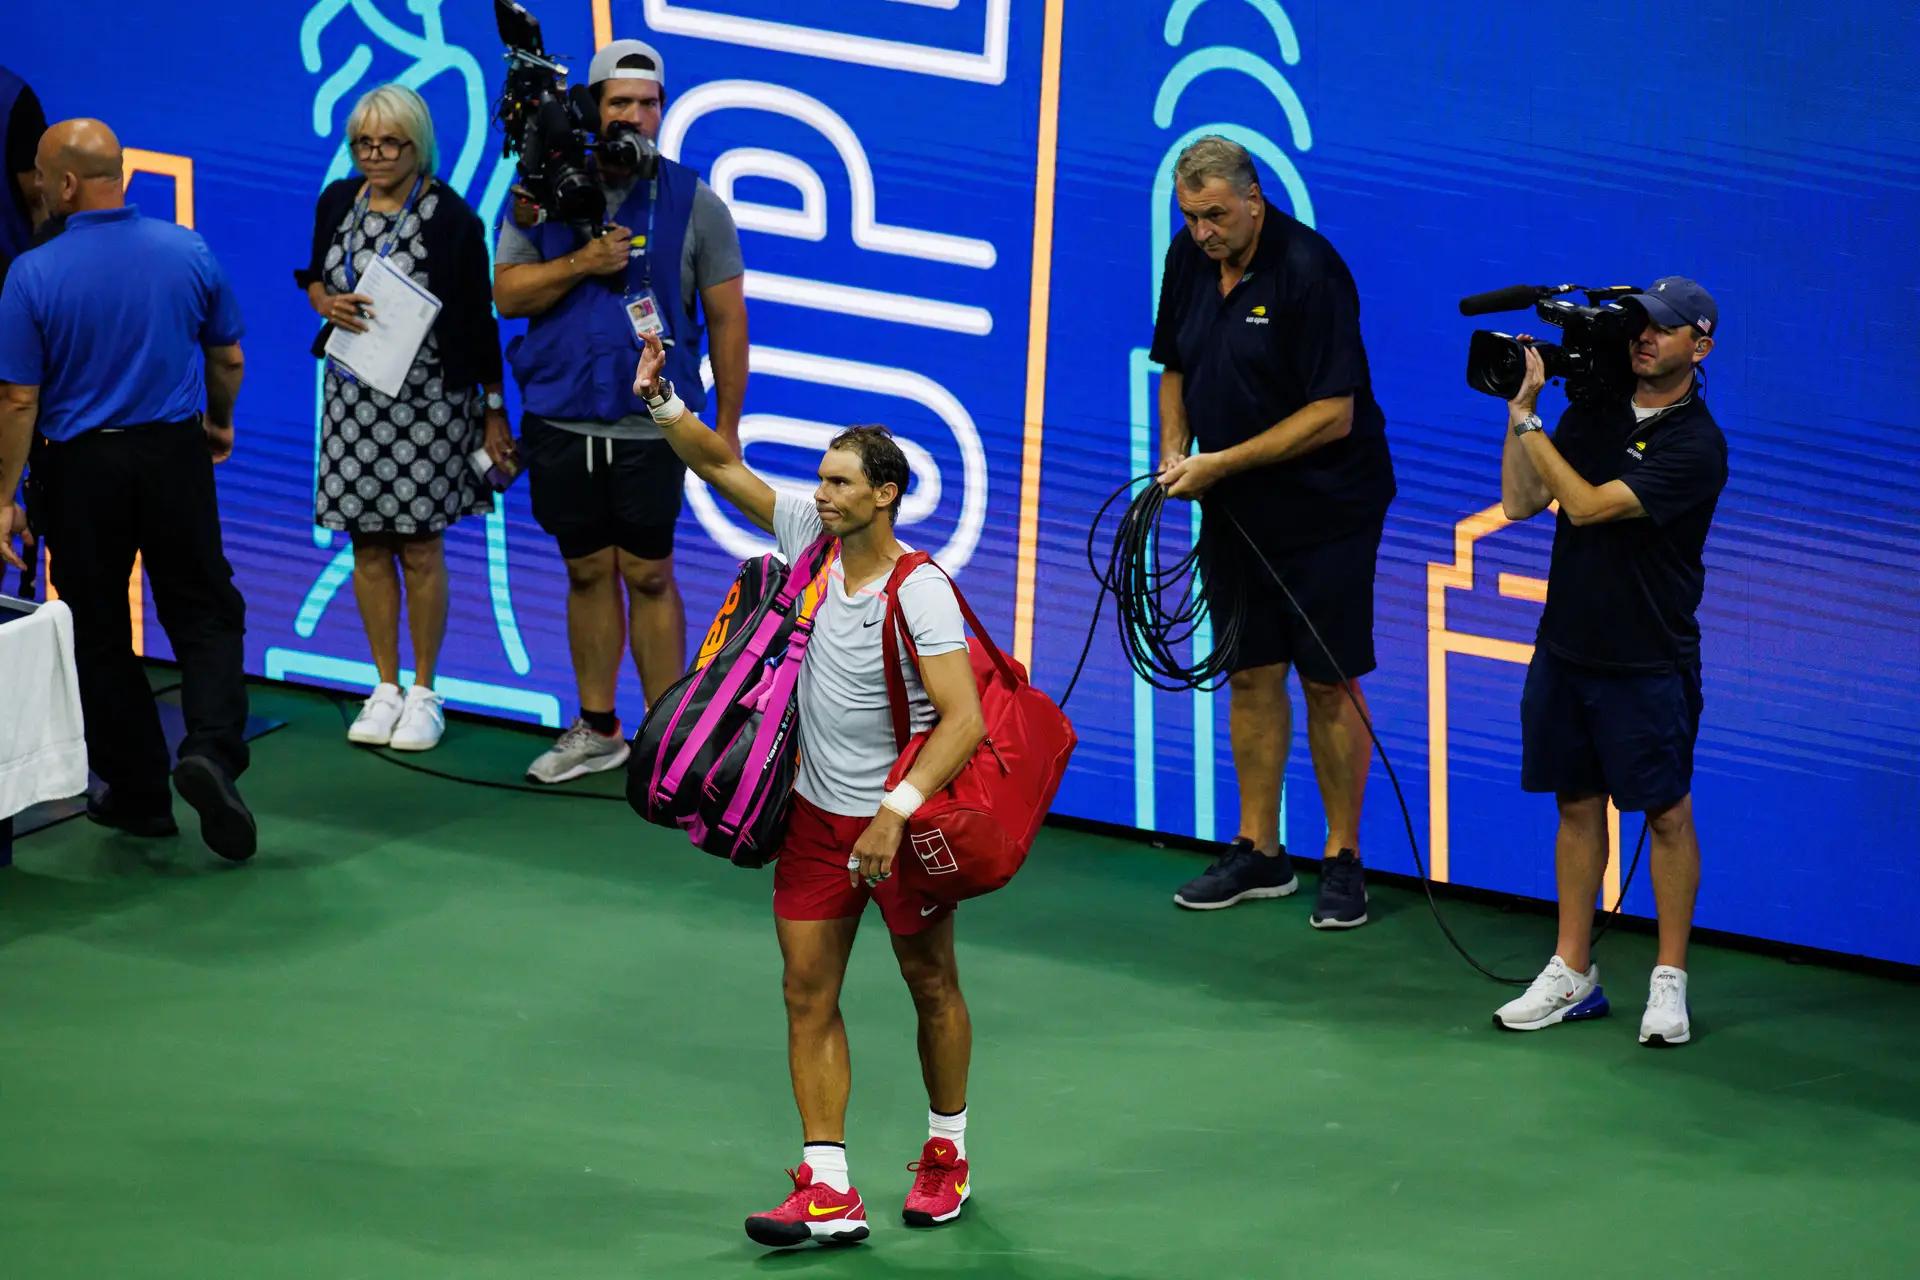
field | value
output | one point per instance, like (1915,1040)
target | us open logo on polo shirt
(935,854)
(1258,316)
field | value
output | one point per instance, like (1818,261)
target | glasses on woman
(383,148)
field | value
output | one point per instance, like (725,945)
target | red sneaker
(940,1189)
(815,1211)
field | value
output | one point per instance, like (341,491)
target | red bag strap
(896,633)
(890,629)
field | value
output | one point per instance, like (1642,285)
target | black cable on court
(1160,609)
(345,705)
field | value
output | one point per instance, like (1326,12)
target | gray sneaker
(579,752)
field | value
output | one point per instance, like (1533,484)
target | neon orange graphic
(1441,643)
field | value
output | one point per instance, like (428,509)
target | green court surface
(439,1031)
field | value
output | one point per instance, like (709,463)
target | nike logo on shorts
(927,911)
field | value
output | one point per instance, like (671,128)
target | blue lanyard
(646,245)
(360,207)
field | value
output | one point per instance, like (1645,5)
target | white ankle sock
(829,1163)
(952,1128)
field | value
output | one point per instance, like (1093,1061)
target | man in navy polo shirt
(104,334)
(1259,337)
(1612,702)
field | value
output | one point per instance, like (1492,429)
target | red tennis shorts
(810,877)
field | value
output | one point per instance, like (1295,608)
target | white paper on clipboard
(403,312)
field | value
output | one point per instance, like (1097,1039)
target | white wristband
(904,800)
(669,413)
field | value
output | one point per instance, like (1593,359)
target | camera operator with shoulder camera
(1612,699)
(605,484)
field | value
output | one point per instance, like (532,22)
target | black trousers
(98,499)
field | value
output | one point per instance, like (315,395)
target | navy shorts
(1589,732)
(1331,580)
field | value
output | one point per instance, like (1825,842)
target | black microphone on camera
(1515,297)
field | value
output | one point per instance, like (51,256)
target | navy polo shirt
(109,320)
(1623,595)
(1287,335)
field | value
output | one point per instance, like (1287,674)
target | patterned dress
(396,464)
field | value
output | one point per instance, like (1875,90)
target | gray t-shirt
(709,255)
(846,729)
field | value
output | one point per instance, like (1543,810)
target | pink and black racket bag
(717,753)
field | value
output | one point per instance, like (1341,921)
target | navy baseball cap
(1676,300)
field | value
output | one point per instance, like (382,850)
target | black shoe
(1242,872)
(152,826)
(226,824)
(1343,893)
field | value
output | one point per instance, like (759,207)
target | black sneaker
(1343,893)
(226,824)
(102,810)
(1241,872)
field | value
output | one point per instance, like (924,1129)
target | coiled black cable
(1160,608)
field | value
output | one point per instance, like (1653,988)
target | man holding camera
(1259,338)
(1612,700)
(108,337)
(605,484)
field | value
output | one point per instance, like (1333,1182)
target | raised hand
(653,358)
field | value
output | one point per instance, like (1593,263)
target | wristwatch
(496,401)
(661,393)
(1528,425)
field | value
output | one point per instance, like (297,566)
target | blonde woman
(394,470)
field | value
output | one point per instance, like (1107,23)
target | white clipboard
(403,313)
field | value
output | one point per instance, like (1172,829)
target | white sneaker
(1558,995)
(579,752)
(1666,1022)
(373,727)
(421,723)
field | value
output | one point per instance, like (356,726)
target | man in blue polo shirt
(104,334)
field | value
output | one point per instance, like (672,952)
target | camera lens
(1496,364)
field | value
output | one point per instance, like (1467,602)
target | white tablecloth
(43,747)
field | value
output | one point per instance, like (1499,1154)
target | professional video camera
(551,128)
(1594,358)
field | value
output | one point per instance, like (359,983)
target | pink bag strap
(784,683)
(812,564)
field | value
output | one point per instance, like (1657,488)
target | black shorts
(590,493)
(1585,731)
(1333,583)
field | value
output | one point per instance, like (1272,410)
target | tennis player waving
(846,828)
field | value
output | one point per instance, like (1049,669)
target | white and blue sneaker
(1239,874)
(1666,1022)
(1558,995)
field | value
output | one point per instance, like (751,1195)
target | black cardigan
(458,273)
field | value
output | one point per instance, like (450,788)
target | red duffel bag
(972,835)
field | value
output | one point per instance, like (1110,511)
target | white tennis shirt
(846,730)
